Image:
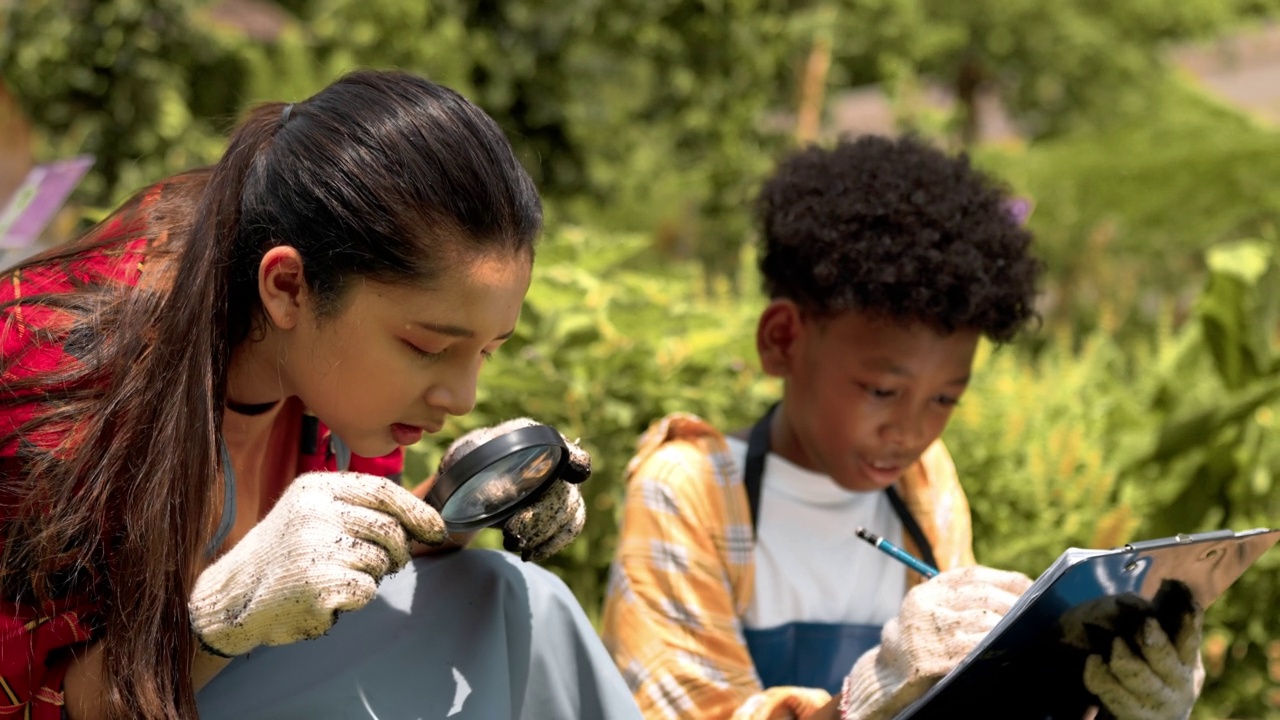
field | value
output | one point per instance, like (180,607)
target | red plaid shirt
(36,339)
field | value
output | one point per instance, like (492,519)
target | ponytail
(185,376)
(125,511)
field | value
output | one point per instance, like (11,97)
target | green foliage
(1219,472)
(118,80)
(1113,443)
(625,113)
(1066,64)
(634,115)
(1030,442)
(1238,312)
(1123,218)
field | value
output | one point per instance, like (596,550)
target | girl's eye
(431,356)
(947,400)
(423,354)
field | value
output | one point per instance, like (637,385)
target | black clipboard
(1024,669)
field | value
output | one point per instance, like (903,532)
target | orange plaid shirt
(684,574)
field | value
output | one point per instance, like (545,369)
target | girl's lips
(406,434)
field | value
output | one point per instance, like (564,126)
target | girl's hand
(544,528)
(547,526)
(321,550)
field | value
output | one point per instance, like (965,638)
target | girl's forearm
(204,667)
(84,689)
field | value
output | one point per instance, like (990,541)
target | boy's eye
(878,392)
(947,400)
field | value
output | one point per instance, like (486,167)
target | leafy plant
(136,83)
(1116,442)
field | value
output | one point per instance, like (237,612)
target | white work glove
(321,550)
(940,622)
(1146,675)
(552,522)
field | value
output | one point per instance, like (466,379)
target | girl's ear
(282,286)
(776,336)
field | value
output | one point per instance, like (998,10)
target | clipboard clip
(1179,539)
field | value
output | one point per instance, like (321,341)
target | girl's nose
(455,392)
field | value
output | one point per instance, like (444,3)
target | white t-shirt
(810,564)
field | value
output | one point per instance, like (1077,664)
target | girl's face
(396,360)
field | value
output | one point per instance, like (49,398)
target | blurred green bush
(1124,215)
(1109,443)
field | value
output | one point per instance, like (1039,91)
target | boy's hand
(1149,676)
(940,623)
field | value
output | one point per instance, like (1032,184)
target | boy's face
(864,396)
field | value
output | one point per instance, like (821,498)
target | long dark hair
(381,175)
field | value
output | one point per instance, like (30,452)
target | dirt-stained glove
(553,521)
(940,622)
(321,550)
(1146,663)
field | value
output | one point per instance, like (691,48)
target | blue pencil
(897,553)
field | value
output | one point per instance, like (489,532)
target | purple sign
(38,198)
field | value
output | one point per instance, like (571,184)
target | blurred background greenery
(1144,404)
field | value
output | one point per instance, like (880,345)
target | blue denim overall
(808,654)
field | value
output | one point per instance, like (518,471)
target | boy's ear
(777,332)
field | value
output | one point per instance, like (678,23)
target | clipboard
(1025,665)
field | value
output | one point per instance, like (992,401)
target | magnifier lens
(501,484)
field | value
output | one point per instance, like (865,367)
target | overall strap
(753,473)
(753,478)
(912,527)
(228,519)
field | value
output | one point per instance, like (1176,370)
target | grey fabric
(509,631)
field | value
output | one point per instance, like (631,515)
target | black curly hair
(898,228)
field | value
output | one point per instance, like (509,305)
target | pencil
(897,553)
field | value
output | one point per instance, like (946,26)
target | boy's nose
(906,430)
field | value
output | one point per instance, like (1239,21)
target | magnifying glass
(499,477)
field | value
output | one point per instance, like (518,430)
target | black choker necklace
(244,409)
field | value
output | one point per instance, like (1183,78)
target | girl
(342,272)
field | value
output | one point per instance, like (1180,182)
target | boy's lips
(886,464)
(883,472)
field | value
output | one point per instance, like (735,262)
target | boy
(740,589)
